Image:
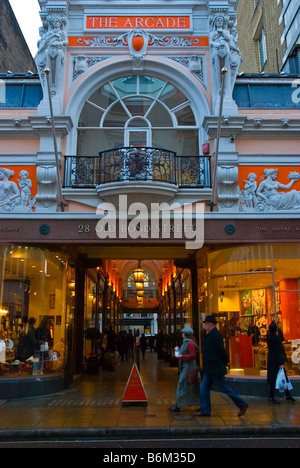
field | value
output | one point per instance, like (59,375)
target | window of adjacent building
(160,113)
(262,47)
(20,95)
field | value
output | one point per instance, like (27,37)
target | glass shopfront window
(176,303)
(91,330)
(187,298)
(35,305)
(247,288)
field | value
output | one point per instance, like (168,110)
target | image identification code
(158,457)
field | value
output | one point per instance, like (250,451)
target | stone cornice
(34,127)
(242,127)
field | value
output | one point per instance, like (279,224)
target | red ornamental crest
(138,43)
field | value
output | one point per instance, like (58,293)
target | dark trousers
(220,383)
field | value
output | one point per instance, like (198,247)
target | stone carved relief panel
(266,193)
(15,196)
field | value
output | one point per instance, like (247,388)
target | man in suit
(215,360)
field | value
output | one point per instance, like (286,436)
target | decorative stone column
(224,53)
(51,54)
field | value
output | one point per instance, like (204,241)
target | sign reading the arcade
(97,22)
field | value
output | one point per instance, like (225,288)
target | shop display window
(176,303)
(34,306)
(247,288)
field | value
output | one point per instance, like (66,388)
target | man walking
(215,360)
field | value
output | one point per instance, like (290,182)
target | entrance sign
(134,390)
(99,22)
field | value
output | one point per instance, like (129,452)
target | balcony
(137,170)
(138,164)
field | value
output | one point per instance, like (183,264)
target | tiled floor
(96,402)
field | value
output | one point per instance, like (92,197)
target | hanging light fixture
(140,301)
(138,274)
(139,286)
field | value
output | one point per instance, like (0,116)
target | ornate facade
(149,111)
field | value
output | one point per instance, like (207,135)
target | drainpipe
(224,71)
(60,201)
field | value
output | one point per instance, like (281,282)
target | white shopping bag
(282,381)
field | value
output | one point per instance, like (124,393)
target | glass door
(137,137)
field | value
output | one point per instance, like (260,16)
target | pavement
(92,407)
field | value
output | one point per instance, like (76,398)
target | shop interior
(49,316)
(246,287)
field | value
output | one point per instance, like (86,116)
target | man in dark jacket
(215,360)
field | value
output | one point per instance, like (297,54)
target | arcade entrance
(116,298)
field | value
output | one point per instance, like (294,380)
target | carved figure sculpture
(272,199)
(12,197)
(224,52)
(25,185)
(266,196)
(51,49)
(9,191)
(249,193)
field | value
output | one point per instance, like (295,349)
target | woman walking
(275,362)
(187,394)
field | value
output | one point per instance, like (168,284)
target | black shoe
(273,401)
(174,409)
(243,410)
(290,398)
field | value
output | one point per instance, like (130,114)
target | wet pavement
(92,407)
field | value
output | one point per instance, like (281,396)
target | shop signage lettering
(131,22)
(277,229)
(136,221)
(9,229)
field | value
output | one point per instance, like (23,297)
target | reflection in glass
(248,287)
(33,310)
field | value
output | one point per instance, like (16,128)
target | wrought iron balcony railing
(137,164)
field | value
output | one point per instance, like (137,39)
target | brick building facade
(14,52)
(260,28)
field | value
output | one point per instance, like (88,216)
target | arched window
(137,110)
(150,286)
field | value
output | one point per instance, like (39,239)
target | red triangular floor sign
(134,390)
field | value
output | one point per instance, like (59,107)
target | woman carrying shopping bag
(275,362)
(188,393)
